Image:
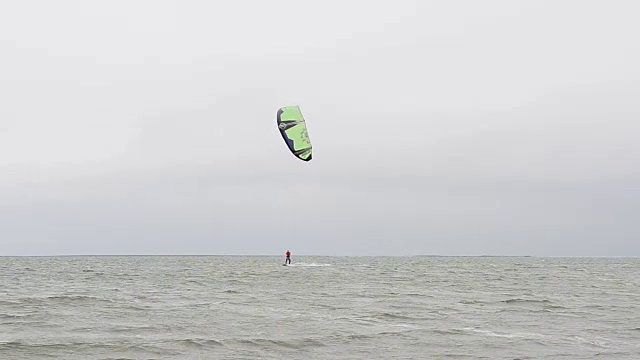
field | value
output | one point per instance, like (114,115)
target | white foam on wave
(507,335)
(308,264)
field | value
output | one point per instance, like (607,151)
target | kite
(293,129)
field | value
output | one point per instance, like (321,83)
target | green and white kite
(293,129)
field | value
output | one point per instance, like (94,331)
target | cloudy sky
(439,127)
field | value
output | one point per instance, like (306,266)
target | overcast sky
(439,127)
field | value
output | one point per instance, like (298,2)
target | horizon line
(318,255)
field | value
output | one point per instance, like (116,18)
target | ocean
(236,307)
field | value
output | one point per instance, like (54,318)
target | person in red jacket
(288,259)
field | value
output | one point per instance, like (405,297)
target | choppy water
(322,308)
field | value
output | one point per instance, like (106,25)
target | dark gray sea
(226,307)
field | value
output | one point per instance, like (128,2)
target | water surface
(217,307)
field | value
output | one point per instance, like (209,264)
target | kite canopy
(293,129)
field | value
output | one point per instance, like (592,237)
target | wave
(9,302)
(50,300)
(137,329)
(515,335)
(529,301)
(471,302)
(195,342)
(396,316)
(401,330)
(308,265)
(288,344)
(17,316)
(74,347)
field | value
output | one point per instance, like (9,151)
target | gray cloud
(501,127)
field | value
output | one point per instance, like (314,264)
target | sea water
(234,307)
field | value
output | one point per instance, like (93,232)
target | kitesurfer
(288,259)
